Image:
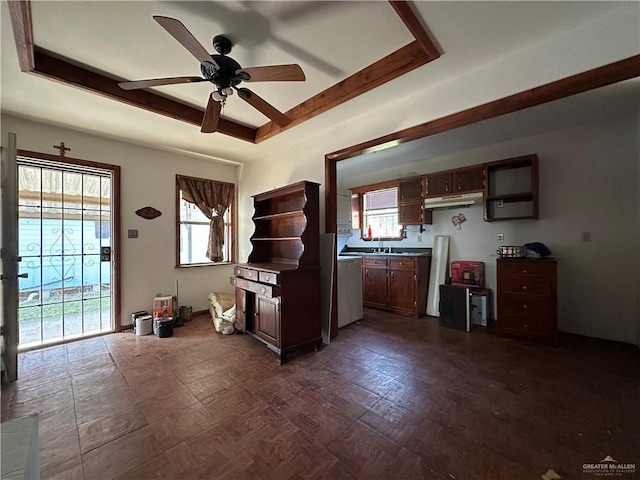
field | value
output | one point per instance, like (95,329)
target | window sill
(383,239)
(196,265)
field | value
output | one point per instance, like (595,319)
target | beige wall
(147,178)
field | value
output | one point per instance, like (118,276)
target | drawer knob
(267,278)
(524,270)
(263,290)
(524,287)
(525,307)
(235,282)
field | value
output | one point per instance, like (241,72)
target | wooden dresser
(278,290)
(527,299)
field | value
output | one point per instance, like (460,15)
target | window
(380,212)
(196,246)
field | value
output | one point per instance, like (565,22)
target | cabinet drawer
(369,261)
(255,287)
(402,262)
(526,285)
(541,269)
(526,305)
(525,325)
(247,273)
(268,277)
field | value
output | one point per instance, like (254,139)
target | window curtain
(213,199)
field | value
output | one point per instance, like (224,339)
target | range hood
(448,201)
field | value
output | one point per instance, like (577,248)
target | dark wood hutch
(278,289)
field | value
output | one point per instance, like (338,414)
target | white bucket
(144,325)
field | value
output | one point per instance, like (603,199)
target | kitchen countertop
(395,252)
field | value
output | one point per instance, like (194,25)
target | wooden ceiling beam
(582,82)
(20,12)
(390,67)
(54,68)
(413,24)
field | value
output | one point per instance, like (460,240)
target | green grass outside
(31,312)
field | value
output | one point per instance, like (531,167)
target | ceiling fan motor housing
(225,76)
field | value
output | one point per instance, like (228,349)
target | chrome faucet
(380,244)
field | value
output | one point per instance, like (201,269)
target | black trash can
(165,327)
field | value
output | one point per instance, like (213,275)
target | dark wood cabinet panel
(241,309)
(411,203)
(267,319)
(374,286)
(402,289)
(439,184)
(452,182)
(396,283)
(467,180)
(410,190)
(527,299)
(278,291)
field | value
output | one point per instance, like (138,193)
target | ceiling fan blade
(155,82)
(259,104)
(178,31)
(274,73)
(211,116)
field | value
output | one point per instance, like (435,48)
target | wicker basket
(511,251)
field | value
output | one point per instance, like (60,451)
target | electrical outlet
(500,204)
(500,237)
(132,233)
(419,238)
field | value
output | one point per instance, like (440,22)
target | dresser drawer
(536,269)
(402,262)
(268,277)
(247,273)
(255,287)
(526,304)
(526,325)
(370,261)
(526,285)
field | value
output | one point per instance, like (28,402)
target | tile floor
(391,397)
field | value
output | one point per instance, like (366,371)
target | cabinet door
(267,319)
(409,190)
(410,214)
(468,180)
(375,287)
(402,289)
(241,309)
(439,184)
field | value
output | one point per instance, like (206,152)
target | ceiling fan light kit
(224,73)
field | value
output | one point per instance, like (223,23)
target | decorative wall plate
(148,213)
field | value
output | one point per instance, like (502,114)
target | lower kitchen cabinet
(527,299)
(374,285)
(396,283)
(279,305)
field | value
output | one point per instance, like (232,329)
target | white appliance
(349,290)
(464,199)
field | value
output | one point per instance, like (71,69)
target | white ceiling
(329,40)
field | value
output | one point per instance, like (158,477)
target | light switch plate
(132,233)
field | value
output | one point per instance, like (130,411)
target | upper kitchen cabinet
(452,182)
(511,189)
(411,203)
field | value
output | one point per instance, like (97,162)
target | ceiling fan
(225,74)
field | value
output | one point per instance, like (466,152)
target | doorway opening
(66,237)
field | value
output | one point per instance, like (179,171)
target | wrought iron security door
(65,233)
